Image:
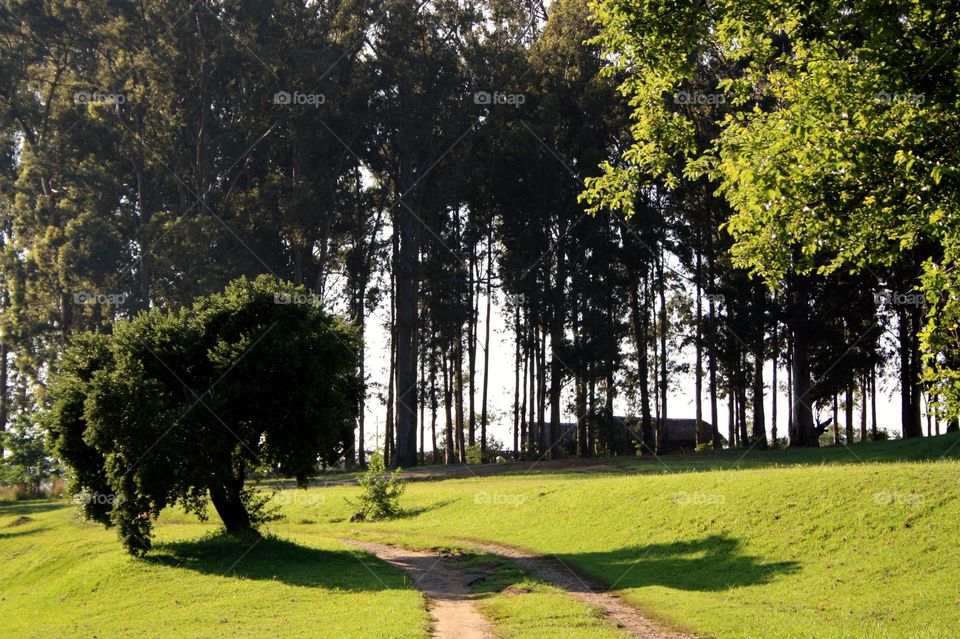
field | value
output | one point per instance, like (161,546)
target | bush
(27,464)
(17,492)
(380,492)
(473,454)
(495,448)
(279,391)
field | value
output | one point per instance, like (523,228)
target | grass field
(784,546)
(63,578)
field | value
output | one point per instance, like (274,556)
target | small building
(622,436)
(681,434)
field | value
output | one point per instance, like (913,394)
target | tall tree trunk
(362,407)
(873,402)
(4,391)
(759,421)
(552,431)
(388,443)
(591,411)
(731,415)
(423,414)
(641,323)
(486,352)
(613,432)
(473,287)
(458,400)
(863,407)
(712,367)
(662,434)
(909,376)
(532,352)
(407,325)
(836,420)
(517,364)
(774,391)
(848,411)
(579,387)
(698,347)
(802,409)
(742,404)
(557,322)
(542,393)
(916,370)
(791,431)
(433,403)
(448,452)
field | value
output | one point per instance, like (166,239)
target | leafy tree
(822,169)
(27,459)
(179,407)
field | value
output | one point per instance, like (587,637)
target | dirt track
(558,574)
(447,589)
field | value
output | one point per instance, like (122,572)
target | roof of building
(678,428)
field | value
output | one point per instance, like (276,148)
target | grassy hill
(63,578)
(787,548)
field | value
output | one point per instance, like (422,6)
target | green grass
(781,544)
(523,607)
(62,578)
(802,550)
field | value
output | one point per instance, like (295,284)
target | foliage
(473,454)
(833,149)
(495,448)
(27,460)
(178,406)
(380,491)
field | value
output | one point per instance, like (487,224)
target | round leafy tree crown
(180,406)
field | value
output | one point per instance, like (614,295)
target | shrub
(380,492)
(495,448)
(27,463)
(473,454)
(279,390)
(17,492)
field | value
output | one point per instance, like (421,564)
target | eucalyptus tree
(419,96)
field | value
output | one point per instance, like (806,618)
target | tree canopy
(176,406)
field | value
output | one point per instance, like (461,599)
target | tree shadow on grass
(270,558)
(31,506)
(404,514)
(713,563)
(414,512)
(9,533)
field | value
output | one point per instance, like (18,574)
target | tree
(822,127)
(179,407)
(27,460)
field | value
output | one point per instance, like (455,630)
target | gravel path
(556,573)
(446,588)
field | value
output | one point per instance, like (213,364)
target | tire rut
(558,574)
(447,589)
